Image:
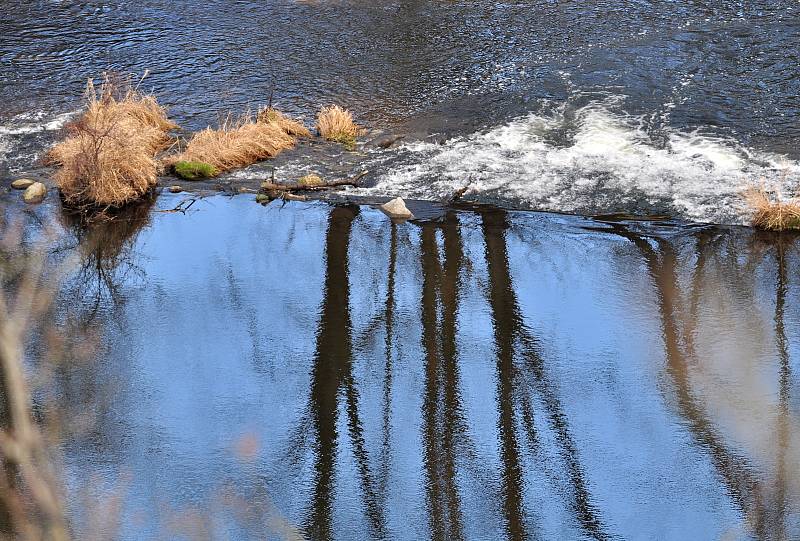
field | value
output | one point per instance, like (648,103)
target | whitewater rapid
(20,142)
(592,160)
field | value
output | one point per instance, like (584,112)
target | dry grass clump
(108,157)
(237,143)
(770,213)
(292,127)
(243,141)
(336,124)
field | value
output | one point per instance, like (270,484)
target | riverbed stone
(386,141)
(396,208)
(175,189)
(35,193)
(22,183)
(262,198)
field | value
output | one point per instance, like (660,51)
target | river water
(634,106)
(311,370)
(317,371)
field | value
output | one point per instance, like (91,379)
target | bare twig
(179,207)
(458,194)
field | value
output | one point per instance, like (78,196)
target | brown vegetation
(242,142)
(31,496)
(290,126)
(108,158)
(336,124)
(770,213)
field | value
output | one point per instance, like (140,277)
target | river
(484,372)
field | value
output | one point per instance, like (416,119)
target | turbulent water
(592,160)
(609,107)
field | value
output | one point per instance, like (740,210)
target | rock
(35,193)
(175,189)
(22,183)
(387,140)
(396,208)
(262,198)
(310,180)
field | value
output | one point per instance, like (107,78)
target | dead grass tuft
(772,212)
(292,127)
(336,124)
(108,157)
(237,143)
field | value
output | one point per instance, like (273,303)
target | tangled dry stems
(241,142)
(336,124)
(773,214)
(109,156)
(292,127)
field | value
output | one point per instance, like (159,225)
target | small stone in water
(262,198)
(396,208)
(175,189)
(21,183)
(35,193)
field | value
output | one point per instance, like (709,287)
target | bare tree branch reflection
(106,246)
(511,332)
(761,500)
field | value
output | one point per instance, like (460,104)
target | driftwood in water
(278,188)
(459,194)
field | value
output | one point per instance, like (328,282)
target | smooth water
(602,107)
(319,371)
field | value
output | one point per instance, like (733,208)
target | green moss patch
(347,140)
(195,170)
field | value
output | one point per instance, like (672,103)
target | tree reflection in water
(106,246)
(761,498)
(457,421)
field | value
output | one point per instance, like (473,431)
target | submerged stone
(22,183)
(396,208)
(386,141)
(175,189)
(35,193)
(194,170)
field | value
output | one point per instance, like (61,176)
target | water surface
(486,375)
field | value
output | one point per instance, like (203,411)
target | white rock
(396,208)
(35,193)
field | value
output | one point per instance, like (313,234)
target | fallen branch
(179,207)
(273,187)
(286,196)
(459,194)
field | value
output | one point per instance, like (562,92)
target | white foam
(608,164)
(26,124)
(21,124)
